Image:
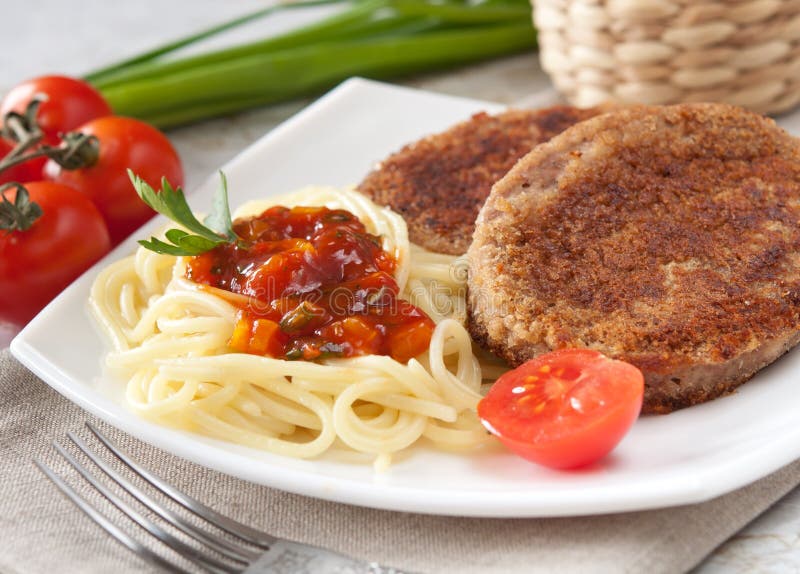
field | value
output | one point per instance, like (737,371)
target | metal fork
(246,550)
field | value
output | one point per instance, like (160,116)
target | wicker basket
(746,52)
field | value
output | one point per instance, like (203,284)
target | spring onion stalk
(372,38)
(102,73)
(362,20)
(456,13)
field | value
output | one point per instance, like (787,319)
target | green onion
(379,39)
(103,73)
(363,19)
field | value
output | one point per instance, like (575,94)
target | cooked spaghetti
(171,341)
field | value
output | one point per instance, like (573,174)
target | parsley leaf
(220,218)
(196,237)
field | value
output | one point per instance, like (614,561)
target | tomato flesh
(316,285)
(564,409)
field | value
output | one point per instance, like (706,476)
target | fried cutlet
(439,183)
(668,237)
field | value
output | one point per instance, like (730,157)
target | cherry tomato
(38,263)
(564,409)
(70,103)
(29,171)
(124,143)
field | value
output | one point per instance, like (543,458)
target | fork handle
(285,557)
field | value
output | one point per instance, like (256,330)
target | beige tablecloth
(41,532)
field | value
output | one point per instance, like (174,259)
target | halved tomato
(564,409)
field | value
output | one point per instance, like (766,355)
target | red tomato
(70,103)
(38,263)
(29,171)
(564,409)
(124,143)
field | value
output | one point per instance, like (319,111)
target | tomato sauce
(316,284)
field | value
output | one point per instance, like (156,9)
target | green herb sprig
(195,237)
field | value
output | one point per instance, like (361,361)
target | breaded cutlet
(668,237)
(439,183)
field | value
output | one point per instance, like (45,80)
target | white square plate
(685,457)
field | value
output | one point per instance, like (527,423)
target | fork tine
(188,552)
(120,536)
(224,547)
(221,521)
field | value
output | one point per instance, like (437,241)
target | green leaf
(220,218)
(176,235)
(195,238)
(198,244)
(172,203)
(154,244)
(191,243)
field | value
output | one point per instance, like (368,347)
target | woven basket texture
(745,52)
